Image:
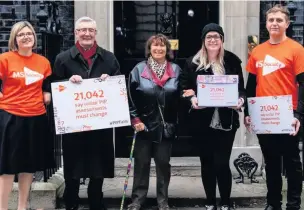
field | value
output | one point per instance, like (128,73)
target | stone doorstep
(191,166)
(185,186)
(183,191)
(43,194)
(183,169)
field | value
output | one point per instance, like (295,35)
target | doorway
(134,23)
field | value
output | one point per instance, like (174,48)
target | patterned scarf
(158,69)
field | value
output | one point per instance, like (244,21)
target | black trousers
(143,152)
(215,148)
(274,147)
(94,190)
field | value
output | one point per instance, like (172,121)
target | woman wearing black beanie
(214,128)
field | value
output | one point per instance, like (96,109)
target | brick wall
(14,11)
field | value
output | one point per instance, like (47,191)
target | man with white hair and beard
(87,154)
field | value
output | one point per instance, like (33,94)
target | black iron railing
(57,146)
(50,27)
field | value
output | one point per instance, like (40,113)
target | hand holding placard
(90,105)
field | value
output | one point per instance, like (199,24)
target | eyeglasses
(215,37)
(84,30)
(25,34)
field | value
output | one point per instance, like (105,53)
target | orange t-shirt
(22,79)
(276,67)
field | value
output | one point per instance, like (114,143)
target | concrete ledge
(191,166)
(43,194)
(180,166)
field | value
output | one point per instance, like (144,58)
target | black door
(134,23)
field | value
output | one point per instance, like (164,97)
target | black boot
(95,194)
(70,197)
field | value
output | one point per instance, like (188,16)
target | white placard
(91,105)
(271,114)
(217,90)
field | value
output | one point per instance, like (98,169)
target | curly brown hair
(158,38)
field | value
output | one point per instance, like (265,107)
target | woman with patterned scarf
(153,97)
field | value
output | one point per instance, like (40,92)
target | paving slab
(183,191)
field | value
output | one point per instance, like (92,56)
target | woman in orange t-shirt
(25,146)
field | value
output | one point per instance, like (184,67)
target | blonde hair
(202,62)
(279,8)
(17,27)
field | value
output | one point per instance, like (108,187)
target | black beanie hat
(212,27)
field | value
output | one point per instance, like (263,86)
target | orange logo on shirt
(269,65)
(30,76)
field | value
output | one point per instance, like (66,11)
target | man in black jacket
(86,154)
(276,68)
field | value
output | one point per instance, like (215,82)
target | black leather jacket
(143,95)
(202,117)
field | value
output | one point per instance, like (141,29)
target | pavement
(184,193)
(184,208)
(186,190)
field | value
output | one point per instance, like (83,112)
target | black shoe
(103,207)
(270,207)
(97,205)
(133,206)
(210,207)
(72,208)
(163,206)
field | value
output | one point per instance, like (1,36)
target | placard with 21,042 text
(271,114)
(91,105)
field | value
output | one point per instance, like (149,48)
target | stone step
(183,191)
(185,166)
(191,166)
(185,186)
